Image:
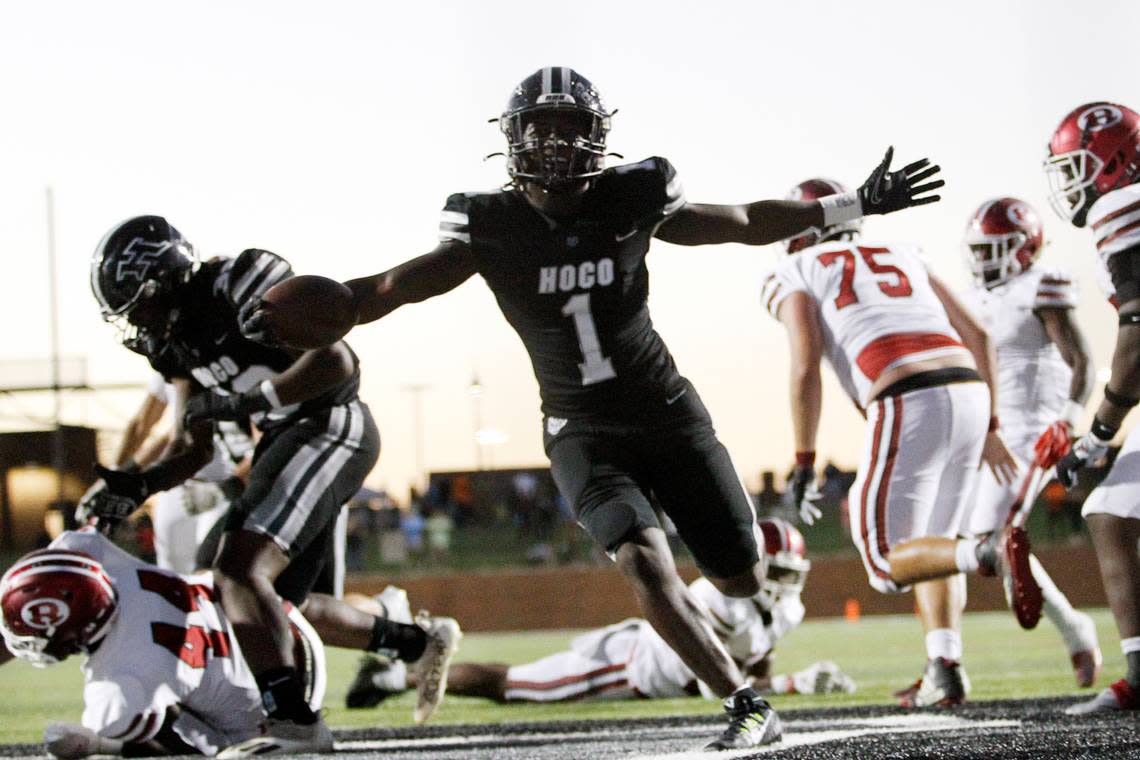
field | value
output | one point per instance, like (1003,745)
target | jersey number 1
(596,367)
(847,296)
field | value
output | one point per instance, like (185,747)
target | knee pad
(610,524)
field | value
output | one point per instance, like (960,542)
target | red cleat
(1026,594)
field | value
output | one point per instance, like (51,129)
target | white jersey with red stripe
(1033,379)
(1115,222)
(877,306)
(170,644)
(629,659)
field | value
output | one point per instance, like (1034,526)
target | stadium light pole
(416,390)
(475,391)
(57,453)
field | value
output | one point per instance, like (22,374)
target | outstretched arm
(767,221)
(800,316)
(444,269)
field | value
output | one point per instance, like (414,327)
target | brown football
(309,311)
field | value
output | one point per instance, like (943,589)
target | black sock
(407,642)
(283,696)
(1133,675)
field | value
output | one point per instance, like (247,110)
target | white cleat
(1117,697)
(285,737)
(430,670)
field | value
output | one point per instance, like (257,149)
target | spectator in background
(769,500)
(412,526)
(439,526)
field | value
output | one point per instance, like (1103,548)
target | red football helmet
(787,567)
(55,602)
(812,190)
(1003,239)
(1094,151)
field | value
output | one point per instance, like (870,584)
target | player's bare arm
(445,268)
(768,221)
(800,316)
(1125,376)
(138,428)
(1066,335)
(981,347)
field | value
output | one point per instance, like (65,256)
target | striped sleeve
(1117,225)
(251,274)
(454,223)
(674,191)
(778,285)
(1056,289)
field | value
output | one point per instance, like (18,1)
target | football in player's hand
(306,311)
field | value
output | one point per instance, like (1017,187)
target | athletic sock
(1056,606)
(1131,649)
(405,642)
(283,696)
(945,643)
(966,555)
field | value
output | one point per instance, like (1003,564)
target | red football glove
(1053,444)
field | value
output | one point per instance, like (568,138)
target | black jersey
(205,344)
(576,292)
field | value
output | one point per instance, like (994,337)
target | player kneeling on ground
(163,670)
(629,659)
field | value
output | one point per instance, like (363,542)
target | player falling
(563,249)
(1044,380)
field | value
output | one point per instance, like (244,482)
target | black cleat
(752,722)
(374,682)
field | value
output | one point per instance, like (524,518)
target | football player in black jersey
(563,250)
(318,442)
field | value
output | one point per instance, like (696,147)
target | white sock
(966,554)
(1057,607)
(1128,646)
(945,643)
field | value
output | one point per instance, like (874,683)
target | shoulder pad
(655,182)
(1053,289)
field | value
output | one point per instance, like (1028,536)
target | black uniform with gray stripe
(620,420)
(312,456)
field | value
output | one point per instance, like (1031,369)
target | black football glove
(802,494)
(113,498)
(208,405)
(253,323)
(1088,450)
(886,191)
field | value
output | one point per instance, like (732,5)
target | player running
(1044,380)
(917,364)
(163,669)
(563,250)
(318,442)
(1094,171)
(630,660)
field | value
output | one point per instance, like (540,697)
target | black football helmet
(140,262)
(556,126)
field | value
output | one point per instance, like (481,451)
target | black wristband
(1102,431)
(1120,400)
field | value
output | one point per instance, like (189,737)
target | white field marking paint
(888,724)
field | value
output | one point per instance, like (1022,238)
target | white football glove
(69,740)
(818,678)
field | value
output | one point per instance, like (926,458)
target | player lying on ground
(918,365)
(163,670)
(629,659)
(563,248)
(1094,169)
(318,442)
(1044,379)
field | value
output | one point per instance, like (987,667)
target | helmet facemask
(1070,176)
(784,577)
(555,146)
(993,259)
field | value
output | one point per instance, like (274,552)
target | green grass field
(880,653)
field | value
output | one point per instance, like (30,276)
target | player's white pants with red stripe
(1119,493)
(917,472)
(992,500)
(620,661)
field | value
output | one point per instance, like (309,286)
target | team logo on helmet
(1018,212)
(45,614)
(138,257)
(1101,116)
